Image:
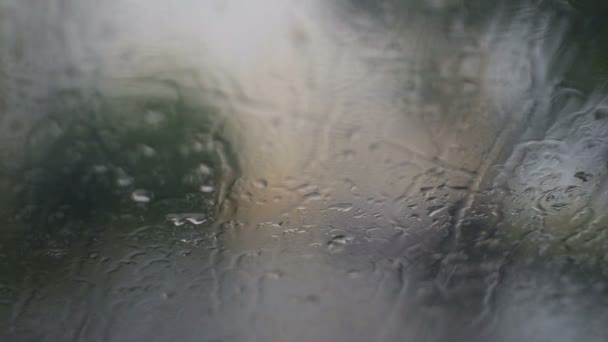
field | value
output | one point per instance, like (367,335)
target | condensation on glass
(282,170)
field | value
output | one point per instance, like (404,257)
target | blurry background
(278,170)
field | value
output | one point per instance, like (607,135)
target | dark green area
(91,154)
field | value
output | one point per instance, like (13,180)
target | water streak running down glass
(317,170)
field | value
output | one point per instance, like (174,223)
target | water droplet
(274,274)
(147,151)
(207,188)
(343,207)
(197,146)
(56,252)
(123,179)
(354,274)
(583,176)
(260,183)
(313,196)
(601,114)
(184,150)
(181,219)
(203,169)
(581,217)
(167,295)
(99,169)
(141,196)
(435,210)
(338,243)
(154,118)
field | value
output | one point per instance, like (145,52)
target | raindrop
(197,146)
(181,219)
(338,243)
(99,169)
(147,151)
(56,252)
(343,207)
(354,274)
(167,295)
(583,176)
(203,169)
(260,183)
(123,180)
(141,196)
(207,188)
(601,113)
(154,118)
(274,274)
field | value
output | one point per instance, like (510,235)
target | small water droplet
(99,169)
(601,114)
(581,217)
(583,176)
(167,295)
(181,219)
(343,207)
(274,274)
(207,188)
(338,243)
(123,179)
(313,196)
(141,196)
(260,183)
(312,299)
(154,118)
(184,150)
(197,146)
(203,169)
(147,151)
(558,206)
(354,274)
(56,252)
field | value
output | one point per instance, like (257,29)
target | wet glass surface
(319,170)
